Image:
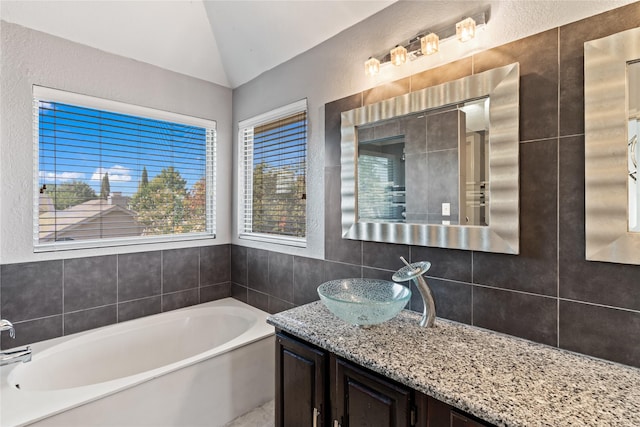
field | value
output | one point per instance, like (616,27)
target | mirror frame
(606,170)
(502,234)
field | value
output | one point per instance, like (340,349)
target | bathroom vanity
(329,373)
(312,383)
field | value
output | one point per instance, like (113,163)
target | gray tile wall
(548,293)
(53,298)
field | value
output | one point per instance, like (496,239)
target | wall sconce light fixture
(426,43)
(372,66)
(430,44)
(398,55)
(466,29)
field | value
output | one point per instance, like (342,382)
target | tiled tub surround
(505,381)
(49,299)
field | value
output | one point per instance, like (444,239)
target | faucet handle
(5,325)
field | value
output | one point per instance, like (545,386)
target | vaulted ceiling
(224,42)
(230,42)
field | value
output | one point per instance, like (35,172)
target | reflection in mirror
(633,76)
(436,167)
(429,167)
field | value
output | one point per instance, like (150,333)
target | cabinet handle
(316,413)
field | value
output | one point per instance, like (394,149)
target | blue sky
(89,142)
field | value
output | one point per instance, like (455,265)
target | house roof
(74,216)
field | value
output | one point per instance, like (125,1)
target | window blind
(274,176)
(375,183)
(103,175)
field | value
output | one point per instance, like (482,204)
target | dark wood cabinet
(301,393)
(317,389)
(459,420)
(434,413)
(360,398)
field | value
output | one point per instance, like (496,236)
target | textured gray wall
(30,57)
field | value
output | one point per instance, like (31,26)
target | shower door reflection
(429,167)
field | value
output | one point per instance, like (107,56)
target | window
(376,187)
(273,151)
(108,173)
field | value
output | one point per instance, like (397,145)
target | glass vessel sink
(364,301)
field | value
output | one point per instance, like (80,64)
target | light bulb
(371,66)
(430,44)
(466,29)
(398,55)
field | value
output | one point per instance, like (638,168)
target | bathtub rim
(114,330)
(23,407)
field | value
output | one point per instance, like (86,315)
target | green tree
(144,181)
(279,201)
(105,187)
(160,203)
(196,207)
(263,186)
(71,194)
(141,201)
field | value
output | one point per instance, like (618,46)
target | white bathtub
(199,366)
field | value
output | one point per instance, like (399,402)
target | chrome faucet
(414,272)
(22,354)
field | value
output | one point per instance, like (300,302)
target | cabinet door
(363,399)
(300,383)
(459,420)
(434,413)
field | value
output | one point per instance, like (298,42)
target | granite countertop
(503,380)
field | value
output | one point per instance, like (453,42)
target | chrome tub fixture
(22,354)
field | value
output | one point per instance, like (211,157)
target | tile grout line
(293,279)
(117,288)
(361,258)
(63,314)
(161,281)
(269,297)
(87,309)
(36,318)
(472,285)
(593,304)
(558,203)
(411,261)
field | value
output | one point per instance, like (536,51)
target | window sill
(278,240)
(107,243)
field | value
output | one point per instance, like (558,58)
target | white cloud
(51,177)
(116,173)
(46,108)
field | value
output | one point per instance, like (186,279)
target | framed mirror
(612,124)
(436,167)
